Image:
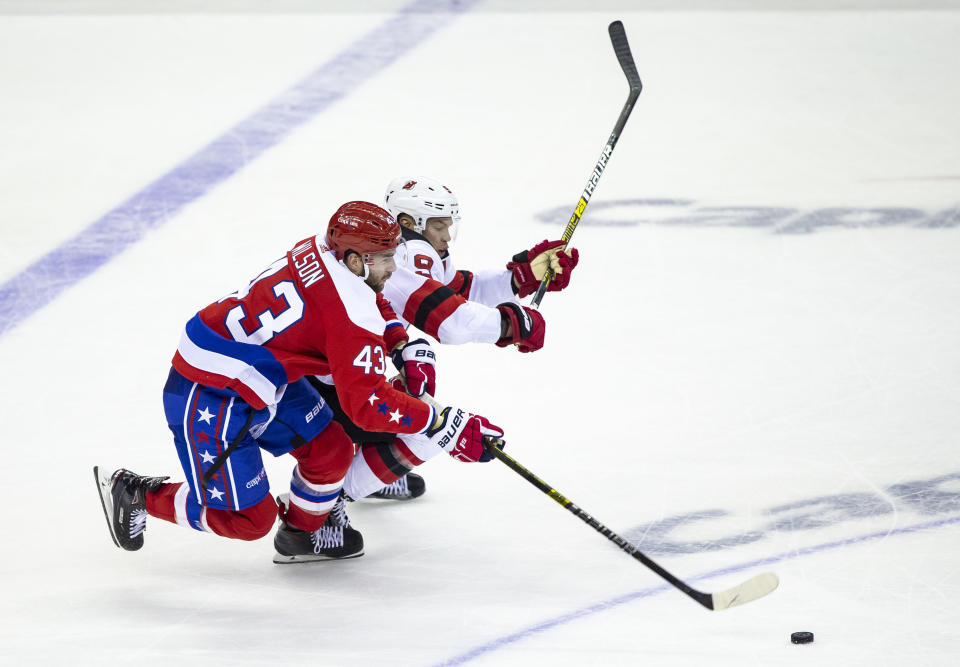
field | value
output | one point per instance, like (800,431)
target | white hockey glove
(460,434)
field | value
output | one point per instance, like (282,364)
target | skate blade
(280,559)
(106,501)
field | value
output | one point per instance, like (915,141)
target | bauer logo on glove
(465,432)
(453,427)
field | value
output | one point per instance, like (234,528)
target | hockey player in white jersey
(429,214)
(454,306)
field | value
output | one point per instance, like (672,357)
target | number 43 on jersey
(371,358)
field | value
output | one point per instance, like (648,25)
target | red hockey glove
(460,434)
(417,362)
(525,326)
(530,266)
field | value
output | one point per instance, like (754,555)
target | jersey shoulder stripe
(461,283)
(430,305)
(251,370)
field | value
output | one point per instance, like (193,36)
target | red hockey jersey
(306,314)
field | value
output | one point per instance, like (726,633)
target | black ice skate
(335,540)
(408,487)
(124,500)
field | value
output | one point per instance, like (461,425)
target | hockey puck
(801,637)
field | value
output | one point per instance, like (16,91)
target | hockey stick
(620,46)
(748,591)
(230,448)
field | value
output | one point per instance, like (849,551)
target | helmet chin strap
(366,267)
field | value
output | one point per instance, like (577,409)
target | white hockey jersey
(452,306)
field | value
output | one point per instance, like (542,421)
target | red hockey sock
(250,523)
(318,477)
(160,502)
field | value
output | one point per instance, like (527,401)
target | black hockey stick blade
(748,591)
(618,37)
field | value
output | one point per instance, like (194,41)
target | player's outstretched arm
(530,266)
(438,310)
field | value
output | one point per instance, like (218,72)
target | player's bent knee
(247,524)
(329,453)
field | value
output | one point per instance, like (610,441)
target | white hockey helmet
(422,198)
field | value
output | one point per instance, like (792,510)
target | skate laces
(338,514)
(138,522)
(153,483)
(327,537)
(132,480)
(396,488)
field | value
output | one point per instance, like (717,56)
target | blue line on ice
(46,278)
(549,624)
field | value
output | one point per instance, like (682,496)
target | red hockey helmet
(362,227)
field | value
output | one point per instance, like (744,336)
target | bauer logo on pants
(316,411)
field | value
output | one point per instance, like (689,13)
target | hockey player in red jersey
(237,387)
(454,306)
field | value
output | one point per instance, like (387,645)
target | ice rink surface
(757,366)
